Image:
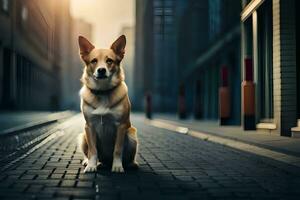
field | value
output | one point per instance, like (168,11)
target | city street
(212,86)
(172,166)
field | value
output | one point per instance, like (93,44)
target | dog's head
(102,66)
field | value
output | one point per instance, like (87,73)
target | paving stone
(87,184)
(68,183)
(172,166)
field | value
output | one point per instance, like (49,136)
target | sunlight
(107,17)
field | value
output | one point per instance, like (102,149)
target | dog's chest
(104,123)
(106,129)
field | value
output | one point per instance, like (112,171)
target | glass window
(158,11)
(168,19)
(168,11)
(265,56)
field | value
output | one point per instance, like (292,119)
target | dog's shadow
(144,183)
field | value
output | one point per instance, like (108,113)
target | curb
(37,124)
(18,141)
(32,145)
(235,144)
(175,123)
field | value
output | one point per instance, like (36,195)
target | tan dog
(109,136)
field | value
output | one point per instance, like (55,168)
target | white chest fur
(90,112)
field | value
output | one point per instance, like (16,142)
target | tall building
(62,51)
(27,50)
(79,27)
(232,62)
(128,60)
(156,69)
(143,51)
(35,54)
(210,45)
(180,48)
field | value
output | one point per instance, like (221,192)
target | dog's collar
(101,92)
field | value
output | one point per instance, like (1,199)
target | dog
(109,136)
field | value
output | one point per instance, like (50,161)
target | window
(265,62)
(214,17)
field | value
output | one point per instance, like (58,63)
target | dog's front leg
(117,160)
(92,150)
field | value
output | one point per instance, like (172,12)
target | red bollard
(248,97)
(148,107)
(224,97)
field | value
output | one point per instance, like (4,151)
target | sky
(106,16)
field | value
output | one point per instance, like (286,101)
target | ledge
(267,126)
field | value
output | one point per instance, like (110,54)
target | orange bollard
(248,97)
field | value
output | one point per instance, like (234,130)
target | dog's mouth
(99,77)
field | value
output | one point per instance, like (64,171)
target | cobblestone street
(172,166)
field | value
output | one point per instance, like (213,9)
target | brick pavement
(172,166)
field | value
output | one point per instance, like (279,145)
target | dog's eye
(109,61)
(94,61)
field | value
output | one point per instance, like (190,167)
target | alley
(172,166)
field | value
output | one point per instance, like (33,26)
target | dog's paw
(85,162)
(90,168)
(117,166)
(133,165)
(101,110)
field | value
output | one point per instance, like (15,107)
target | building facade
(35,55)
(236,63)
(73,85)
(128,60)
(270,39)
(156,67)
(213,45)
(180,49)
(27,55)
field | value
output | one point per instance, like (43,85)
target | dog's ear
(85,47)
(119,46)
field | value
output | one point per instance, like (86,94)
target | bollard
(148,107)
(248,97)
(181,103)
(198,105)
(224,97)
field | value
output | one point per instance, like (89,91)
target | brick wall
(284,65)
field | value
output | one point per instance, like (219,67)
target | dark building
(235,62)
(128,60)
(210,44)
(180,49)
(34,52)
(75,69)
(156,67)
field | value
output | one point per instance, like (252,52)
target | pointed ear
(85,46)
(119,46)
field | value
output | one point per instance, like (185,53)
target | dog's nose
(101,71)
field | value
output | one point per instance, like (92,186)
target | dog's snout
(101,71)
